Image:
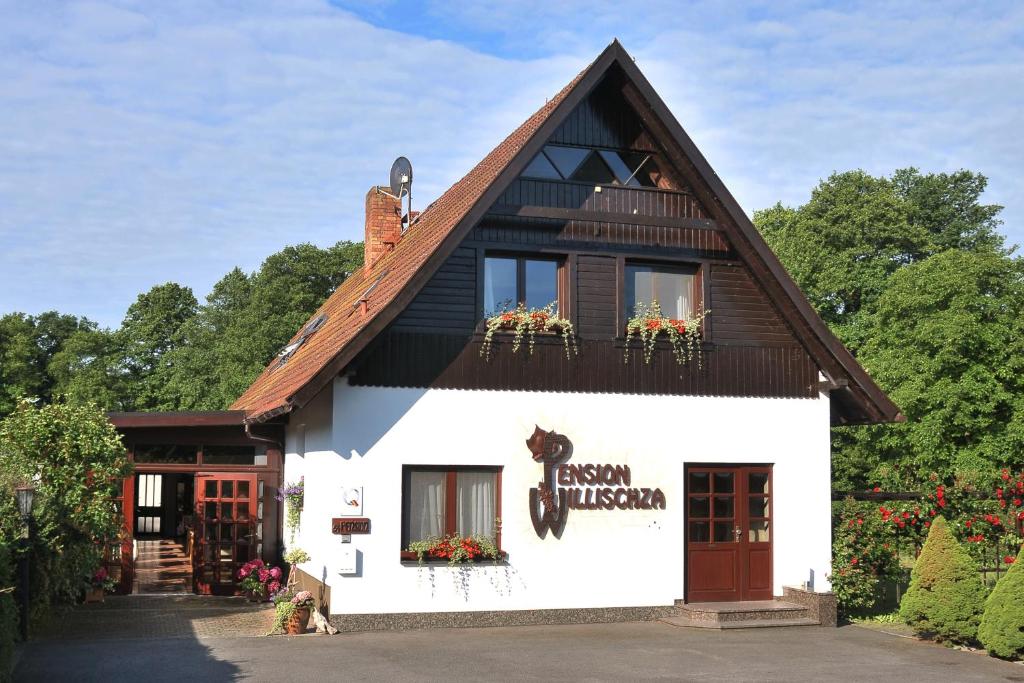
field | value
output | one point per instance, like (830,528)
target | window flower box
(454,549)
(683,335)
(526,322)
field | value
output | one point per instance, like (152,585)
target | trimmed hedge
(946,594)
(1002,625)
(8,614)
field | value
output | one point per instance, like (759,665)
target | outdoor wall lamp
(25,494)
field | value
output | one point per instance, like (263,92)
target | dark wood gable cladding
(750,350)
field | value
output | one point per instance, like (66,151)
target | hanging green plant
(684,334)
(292,495)
(528,322)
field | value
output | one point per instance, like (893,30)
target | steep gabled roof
(391,284)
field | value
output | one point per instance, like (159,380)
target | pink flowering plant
(285,604)
(259,579)
(101,579)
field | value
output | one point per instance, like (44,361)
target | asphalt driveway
(611,652)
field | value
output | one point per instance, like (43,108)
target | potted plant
(648,325)
(527,322)
(292,496)
(99,584)
(258,580)
(292,611)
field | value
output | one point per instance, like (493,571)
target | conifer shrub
(946,594)
(1002,625)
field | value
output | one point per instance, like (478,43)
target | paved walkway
(598,652)
(162,616)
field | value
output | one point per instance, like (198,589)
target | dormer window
(597,166)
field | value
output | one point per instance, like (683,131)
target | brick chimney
(383,225)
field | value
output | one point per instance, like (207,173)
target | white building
(705,480)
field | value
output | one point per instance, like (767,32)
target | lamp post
(24,493)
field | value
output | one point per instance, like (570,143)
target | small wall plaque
(350,525)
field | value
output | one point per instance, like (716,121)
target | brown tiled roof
(425,244)
(271,391)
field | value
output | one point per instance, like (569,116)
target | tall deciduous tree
(913,276)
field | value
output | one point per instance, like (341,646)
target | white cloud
(146,142)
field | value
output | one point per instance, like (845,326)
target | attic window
(366,295)
(287,352)
(598,166)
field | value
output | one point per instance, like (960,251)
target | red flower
(1002,502)
(860,521)
(902,524)
(654,324)
(877,489)
(1009,559)
(1006,476)
(906,515)
(967,524)
(927,523)
(1016,501)
(853,561)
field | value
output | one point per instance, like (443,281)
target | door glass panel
(226,511)
(211,510)
(210,488)
(723,482)
(225,552)
(699,482)
(225,532)
(759,532)
(758,506)
(243,489)
(758,482)
(699,507)
(227,489)
(723,532)
(210,532)
(242,511)
(723,506)
(700,532)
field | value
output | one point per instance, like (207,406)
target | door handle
(737,532)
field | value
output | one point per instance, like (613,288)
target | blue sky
(147,142)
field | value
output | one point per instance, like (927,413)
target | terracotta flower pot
(297,622)
(94,595)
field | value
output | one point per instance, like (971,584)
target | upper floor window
(671,286)
(511,280)
(598,166)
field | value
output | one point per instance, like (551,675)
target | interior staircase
(747,614)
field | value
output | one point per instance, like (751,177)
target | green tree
(1002,625)
(945,340)
(88,370)
(246,320)
(76,460)
(946,594)
(27,345)
(857,230)
(151,329)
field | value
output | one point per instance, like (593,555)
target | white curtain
(674,291)
(426,505)
(475,499)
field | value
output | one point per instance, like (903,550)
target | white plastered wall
(361,436)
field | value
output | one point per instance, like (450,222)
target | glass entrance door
(728,533)
(225,530)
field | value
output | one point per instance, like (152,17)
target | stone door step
(686,622)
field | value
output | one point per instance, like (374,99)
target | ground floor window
(440,501)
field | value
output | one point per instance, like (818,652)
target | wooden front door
(728,533)
(225,530)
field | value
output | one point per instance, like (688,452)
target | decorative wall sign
(351,501)
(579,487)
(350,525)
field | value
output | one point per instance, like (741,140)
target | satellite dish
(401,176)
